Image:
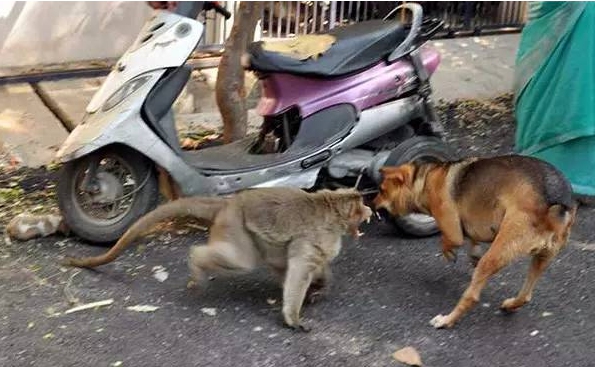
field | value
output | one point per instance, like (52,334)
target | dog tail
(560,219)
(200,208)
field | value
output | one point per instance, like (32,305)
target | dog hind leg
(539,263)
(504,248)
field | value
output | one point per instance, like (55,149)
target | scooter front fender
(124,125)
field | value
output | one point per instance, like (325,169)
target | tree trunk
(229,88)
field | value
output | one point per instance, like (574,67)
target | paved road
(386,290)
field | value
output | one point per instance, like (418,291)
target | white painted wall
(33,33)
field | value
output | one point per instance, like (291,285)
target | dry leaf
(160,273)
(408,355)
(87,306)
(209,311)
(142,308)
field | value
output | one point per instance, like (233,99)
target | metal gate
(280,19)
(289,18)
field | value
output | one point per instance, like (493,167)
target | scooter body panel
(166,40)
(365,89)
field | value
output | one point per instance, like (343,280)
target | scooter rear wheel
(422,148)
(124,189)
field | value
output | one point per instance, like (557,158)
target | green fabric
(555,89)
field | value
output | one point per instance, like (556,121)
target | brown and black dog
(522,205)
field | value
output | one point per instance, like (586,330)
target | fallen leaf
(142,308)
(258,328)
(159,273)
(30,325)
(48,336)
(209,311)
(408,356)
(546,314)
(534,332)
(116,364)
(87,306)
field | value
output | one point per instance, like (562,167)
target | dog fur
(522,205)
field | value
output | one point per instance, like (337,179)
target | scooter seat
(236,156)
(356,47)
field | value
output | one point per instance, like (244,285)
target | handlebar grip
(214,5)
(221,10)
(404,47)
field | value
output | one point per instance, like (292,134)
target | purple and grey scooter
(331,121)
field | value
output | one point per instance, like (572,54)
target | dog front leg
(452,234)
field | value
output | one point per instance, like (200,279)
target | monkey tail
(200,208)
(560,218)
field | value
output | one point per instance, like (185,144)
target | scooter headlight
(124,91)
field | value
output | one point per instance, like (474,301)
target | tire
(142,200)
(418,148)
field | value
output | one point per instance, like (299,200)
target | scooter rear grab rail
(411,38)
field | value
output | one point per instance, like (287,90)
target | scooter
(328,121)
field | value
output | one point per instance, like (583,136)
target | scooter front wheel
(424,149)
(101,195)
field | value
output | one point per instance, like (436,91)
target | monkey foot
(299,327)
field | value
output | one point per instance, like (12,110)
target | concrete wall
(33,33)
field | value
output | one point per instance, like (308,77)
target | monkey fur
(295,233)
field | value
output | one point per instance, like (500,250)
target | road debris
(210,311)
(142,308)
(408,356)
(88,306)
(160,273)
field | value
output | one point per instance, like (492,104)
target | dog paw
(511,305)
(450,255)
(441,321)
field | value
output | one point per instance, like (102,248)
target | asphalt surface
(386,289)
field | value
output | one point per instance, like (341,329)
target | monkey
(27,226)
(295,233)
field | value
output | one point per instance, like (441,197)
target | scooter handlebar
(416,22)
(218,8)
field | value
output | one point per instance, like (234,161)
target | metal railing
(289,18)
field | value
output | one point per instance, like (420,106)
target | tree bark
(229,87)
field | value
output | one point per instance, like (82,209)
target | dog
(522,205)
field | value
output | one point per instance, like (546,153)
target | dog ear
(402,174)
(392,173)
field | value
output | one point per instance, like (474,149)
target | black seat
(357,46)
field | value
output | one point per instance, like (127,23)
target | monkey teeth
(368,220)
(378,215)
(359,234)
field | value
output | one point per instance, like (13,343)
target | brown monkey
(295,233)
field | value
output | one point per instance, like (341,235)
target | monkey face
(396,190)
(360,213)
